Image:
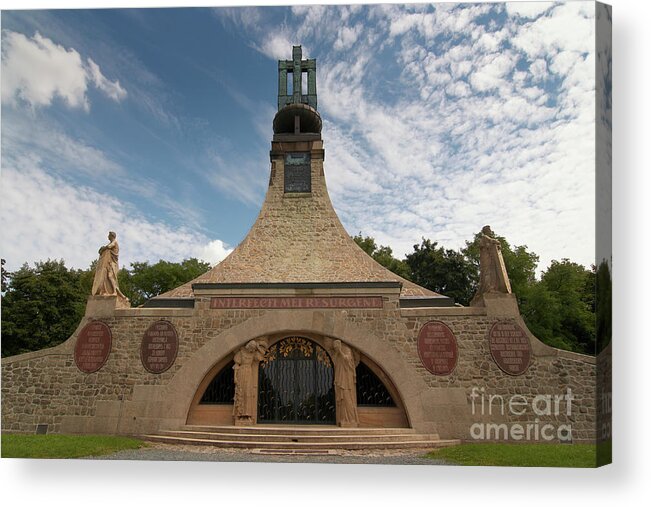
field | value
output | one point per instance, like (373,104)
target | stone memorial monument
(105,282)
(300,327)
(493,277)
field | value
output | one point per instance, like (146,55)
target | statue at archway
(244,407)
(493,277)
(345,361)
(105,282)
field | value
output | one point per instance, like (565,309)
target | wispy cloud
(70,222)
(241,179)
(36,70)
(76,160)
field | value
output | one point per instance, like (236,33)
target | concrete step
(284,429)
(303,437)
(415,443)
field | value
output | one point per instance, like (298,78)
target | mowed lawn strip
(64,446)
(519,455)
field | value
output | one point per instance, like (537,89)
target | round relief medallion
(437,348)
(510,347)
(159,347)
(93,346)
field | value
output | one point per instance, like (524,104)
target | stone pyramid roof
(298,238)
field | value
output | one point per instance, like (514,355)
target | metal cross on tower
(297,67)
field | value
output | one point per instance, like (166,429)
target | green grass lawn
(519,455)
(64,446)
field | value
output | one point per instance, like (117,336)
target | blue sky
(156,123)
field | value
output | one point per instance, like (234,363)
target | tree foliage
(42,305)
(383,255)
(559,308)
(144,281)
(442,270)
(604,305)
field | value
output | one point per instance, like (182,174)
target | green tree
(383,255)
(144,281)
(5,276)
(41,307)
(573,286)
(604,305)
(442,270)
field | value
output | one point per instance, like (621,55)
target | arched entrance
(295,384)
(292,383)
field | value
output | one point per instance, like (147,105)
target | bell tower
(297,149)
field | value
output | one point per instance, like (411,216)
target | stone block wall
(46,387)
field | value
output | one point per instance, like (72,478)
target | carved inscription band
(295,303)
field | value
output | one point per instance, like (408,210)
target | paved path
(166,452)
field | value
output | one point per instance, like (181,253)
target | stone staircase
(285,438)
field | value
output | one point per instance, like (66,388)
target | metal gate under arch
(296,384)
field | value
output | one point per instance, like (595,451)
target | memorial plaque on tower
(298,177)
(159,347)
(437,348)
(93,346)
(510,347)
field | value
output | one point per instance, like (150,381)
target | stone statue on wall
(493,277)
(345,362)
(244,408)
(105,282)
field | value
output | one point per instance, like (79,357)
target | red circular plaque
(510,347)
(437,348)
(159,347)
(93,346)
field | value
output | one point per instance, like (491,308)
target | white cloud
(37,70)
(213,252)
(112,89)
(527,9)
(568,27)
(76,160)
(347,36)
(538,69)
(71,222)
(277,46)
(245,181)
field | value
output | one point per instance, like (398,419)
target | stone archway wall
(176,397)
(395,417)
(46,388)
(221,414)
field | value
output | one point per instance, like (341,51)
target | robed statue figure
(345,384)
(493,277)
(105,282)
(244,403)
